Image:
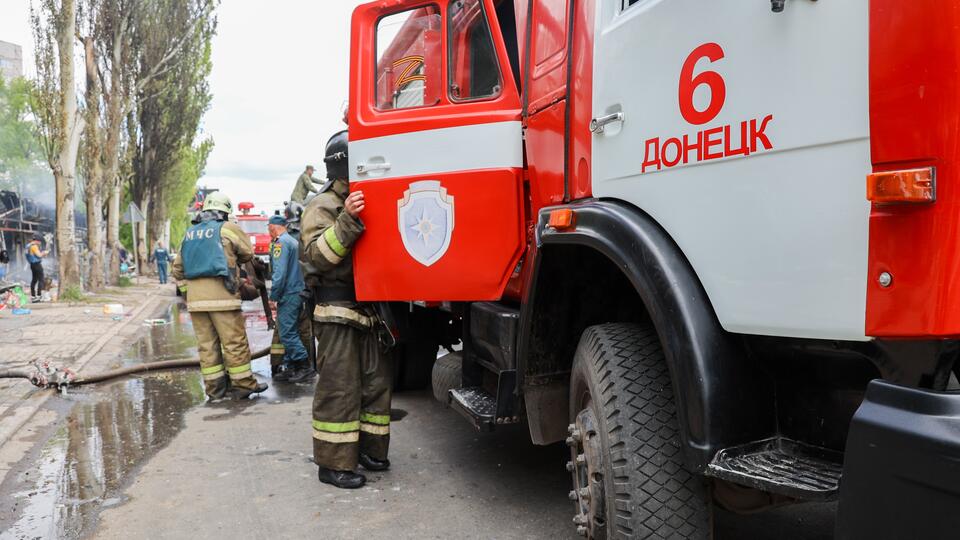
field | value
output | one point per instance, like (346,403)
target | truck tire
(447,375)
(631,481)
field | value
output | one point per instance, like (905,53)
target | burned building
(20,219)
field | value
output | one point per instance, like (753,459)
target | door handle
(364,168)
(597,125)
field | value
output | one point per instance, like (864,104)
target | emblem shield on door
(425,220)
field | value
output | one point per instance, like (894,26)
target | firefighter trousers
(224,351)
(351,403)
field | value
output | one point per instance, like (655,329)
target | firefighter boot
(243,393)
(282,374)
(220,389)
(302,373)
(372,464)
(341,479)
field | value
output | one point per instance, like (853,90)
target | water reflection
(110,432)
(114,428)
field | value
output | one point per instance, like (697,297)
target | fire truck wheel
(629,479)
(447,375)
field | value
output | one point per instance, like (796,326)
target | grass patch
(124,281)
(73,293)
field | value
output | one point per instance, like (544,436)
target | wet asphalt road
(147,458)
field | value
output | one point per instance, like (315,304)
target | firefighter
(287,285)
(305,186)
(351,403)
(210,256)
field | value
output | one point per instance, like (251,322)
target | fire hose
(45,375)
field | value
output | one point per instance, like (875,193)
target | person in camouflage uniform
(351,404)
(305,186)
(210,256)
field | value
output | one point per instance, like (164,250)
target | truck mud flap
(901,473)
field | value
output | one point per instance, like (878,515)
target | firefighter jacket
(211,271)
(284,259)
(327,235)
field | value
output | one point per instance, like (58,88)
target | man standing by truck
(287,284)
(351,405)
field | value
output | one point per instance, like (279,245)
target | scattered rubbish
(87,311)
(21,311)
(113,309)
(117,317)
(12,296)
(155,322)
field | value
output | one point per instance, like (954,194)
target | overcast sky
(280,77)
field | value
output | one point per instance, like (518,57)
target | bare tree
(120,74)
(170,101)
(60,123)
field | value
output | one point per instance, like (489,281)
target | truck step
(780,465)
(477,405)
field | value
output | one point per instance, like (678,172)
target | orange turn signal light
(906,186)
(562,219)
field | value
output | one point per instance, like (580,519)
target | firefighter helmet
(292,212)
(217,201)
(335,156)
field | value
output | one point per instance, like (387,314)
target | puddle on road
(114,428)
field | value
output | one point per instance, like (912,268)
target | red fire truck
(710,245)
(255,225)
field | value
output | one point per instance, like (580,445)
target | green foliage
(125,282)
(20,152)
(126,236)
(72,293)
(182,186)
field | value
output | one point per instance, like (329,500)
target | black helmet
(335,156)
(292,212)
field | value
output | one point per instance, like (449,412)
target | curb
(32,403)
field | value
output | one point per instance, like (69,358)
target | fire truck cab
(255,225)
(710,245)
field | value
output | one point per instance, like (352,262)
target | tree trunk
(142,239)
(94,168)
(71,127)
(113,232)
(94,236)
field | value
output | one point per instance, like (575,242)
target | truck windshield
(251,226)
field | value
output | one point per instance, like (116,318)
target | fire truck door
(436,148)
(745,134)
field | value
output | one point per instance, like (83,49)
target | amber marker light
(906,186)
(562,219)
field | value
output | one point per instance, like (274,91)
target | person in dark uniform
(351,404)
(162,257)
(291,213)
(287,284)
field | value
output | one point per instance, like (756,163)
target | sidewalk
(69,336)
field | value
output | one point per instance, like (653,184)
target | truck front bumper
(901,472)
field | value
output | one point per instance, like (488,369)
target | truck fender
(723,398)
